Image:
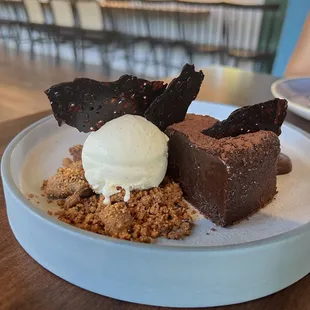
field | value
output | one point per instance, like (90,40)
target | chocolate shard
(87,104)
(172,105)
(267,116)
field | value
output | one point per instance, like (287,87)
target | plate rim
(285,79)
(14,190)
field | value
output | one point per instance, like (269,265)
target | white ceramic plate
(257,257)
(297,92)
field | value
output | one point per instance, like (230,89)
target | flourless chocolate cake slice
(226,179)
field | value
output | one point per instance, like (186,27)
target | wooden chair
(251,34)
(90,30)
(6,18)
(180,29)
(12,18)
(38,29)
(64,26)
(95,29)
(203,29)
(127,26)
(163,33)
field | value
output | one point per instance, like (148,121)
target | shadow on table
(9,129)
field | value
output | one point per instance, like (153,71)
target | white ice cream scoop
(128,152)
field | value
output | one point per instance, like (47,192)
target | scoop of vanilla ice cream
(129,152)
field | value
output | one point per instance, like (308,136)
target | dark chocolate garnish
(172,105)
(87,104)
(268,116)
(284,164)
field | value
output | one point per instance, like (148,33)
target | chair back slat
(90,15)
(34,11)
(62,13)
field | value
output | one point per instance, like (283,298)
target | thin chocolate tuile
(87,104)
(267,116)
(171,107)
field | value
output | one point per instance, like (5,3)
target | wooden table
(24,284)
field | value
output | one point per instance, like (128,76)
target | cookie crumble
(149,214)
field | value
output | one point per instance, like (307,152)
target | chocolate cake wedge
(226,179)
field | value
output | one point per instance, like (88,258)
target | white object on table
(297,92)
(249,260)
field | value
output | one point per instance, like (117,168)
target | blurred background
(152,38)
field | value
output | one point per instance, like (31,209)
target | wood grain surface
(24,284)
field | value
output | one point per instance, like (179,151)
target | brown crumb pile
(66,181)
(149,214)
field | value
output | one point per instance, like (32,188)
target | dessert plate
(297,92)
(215,266)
